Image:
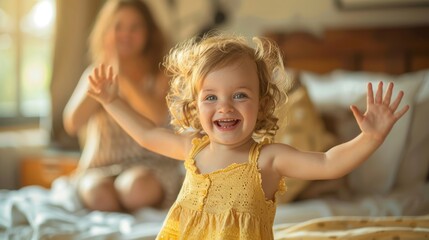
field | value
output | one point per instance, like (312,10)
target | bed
(388,198)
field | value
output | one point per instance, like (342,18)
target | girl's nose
(225,107)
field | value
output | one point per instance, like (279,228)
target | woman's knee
(98,193)
(138,187)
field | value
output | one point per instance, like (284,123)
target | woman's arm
(103,88)
(80,107)
(375,125)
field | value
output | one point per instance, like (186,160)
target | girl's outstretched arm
(375,125)
(104,88)
(80,106)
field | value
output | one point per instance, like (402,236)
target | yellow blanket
(396,228)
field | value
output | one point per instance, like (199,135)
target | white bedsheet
(37,213)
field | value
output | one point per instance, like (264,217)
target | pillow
(415,165)
(301,127)
(334,93)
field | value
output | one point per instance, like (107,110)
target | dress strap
(197,145)
(255,150)
(254,156)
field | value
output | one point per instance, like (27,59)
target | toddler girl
(222,100)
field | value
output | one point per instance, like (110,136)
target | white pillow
(335,92)
(415,165)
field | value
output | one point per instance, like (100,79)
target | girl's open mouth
(227,124)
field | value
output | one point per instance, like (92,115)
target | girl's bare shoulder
(269,152)
(275,148)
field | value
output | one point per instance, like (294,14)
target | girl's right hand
(103,85)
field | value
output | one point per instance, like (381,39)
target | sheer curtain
(74,22)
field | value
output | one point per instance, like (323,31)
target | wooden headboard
(390,50)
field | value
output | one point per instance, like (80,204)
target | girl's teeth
(226,123)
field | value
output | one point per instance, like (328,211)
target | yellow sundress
(226,204)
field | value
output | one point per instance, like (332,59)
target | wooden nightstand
(43,170)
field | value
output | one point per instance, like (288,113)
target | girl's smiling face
(228,102)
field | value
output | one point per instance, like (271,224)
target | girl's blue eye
(211,98)
(239,96)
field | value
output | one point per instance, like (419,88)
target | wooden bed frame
(393,50)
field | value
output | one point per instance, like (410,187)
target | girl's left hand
(381,114)
(103,84)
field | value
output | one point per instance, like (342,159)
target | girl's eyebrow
(238,88)
(207,90)
(244,88)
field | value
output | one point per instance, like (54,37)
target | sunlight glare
(43,14)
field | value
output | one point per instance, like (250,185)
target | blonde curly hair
(188,63)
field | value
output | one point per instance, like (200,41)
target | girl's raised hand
(103,85)
(381,114)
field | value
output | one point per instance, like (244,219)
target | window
(26,52)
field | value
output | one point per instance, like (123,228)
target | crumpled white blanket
(37,213)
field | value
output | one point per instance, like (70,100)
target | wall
(253,17)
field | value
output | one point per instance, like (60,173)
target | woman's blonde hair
(189,63)
(155,44)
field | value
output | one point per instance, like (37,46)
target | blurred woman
(115,173)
